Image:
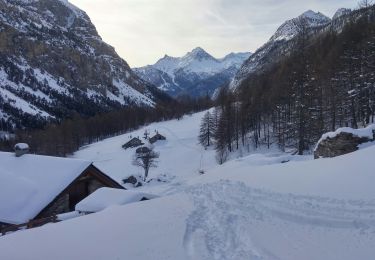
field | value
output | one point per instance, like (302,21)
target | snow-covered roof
(30,182)
(107,197)
(21,146)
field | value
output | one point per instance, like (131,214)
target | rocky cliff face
(195,74)
(53,64)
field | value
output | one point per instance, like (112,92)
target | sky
(143,31)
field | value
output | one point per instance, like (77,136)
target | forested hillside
(326,82)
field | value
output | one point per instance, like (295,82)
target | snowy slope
(322,209)
(181,156)
(181,143)
(196,74)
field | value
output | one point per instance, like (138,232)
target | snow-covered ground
(253,207)
(181,155)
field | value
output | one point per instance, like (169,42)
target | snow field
(253,207)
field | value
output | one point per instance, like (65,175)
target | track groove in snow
(221,225)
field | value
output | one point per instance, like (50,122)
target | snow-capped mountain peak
(199,61)
(289,29)
(199,54)
(177,75)
(278,44)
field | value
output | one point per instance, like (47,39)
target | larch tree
(206,130)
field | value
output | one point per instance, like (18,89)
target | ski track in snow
(221,225)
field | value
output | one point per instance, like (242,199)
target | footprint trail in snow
(222,224)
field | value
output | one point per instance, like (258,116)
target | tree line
(67,136)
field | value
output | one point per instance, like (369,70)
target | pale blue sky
(142,31)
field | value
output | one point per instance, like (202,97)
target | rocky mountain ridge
(196,74)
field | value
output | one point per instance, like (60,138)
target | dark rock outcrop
(132,180)
(342,143)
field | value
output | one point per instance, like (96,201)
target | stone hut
(343,141)
(135,142)
(157,137)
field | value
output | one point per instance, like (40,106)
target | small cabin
(135,142)
(35,187)
(157,137)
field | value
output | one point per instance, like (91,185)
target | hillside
(195,74)
(325,81)
(314,209)
(60,66)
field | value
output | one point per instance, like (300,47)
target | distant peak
(198,50)
(309,14)
(199,54)
(288,30)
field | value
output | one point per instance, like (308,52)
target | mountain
(53,64)
(315,83)
(279,45)
(195,74)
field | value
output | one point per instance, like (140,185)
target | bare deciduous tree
(145,157)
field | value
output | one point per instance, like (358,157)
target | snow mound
(107,197)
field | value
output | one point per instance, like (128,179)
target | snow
(181,143)
(367,132)
(69,215)
(107,197)
(129,92)
(181,155)
(16,101)
(253,207)
(22,146)
(321,209)
(32,182)
(21,104)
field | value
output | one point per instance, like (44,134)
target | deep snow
(249,208)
